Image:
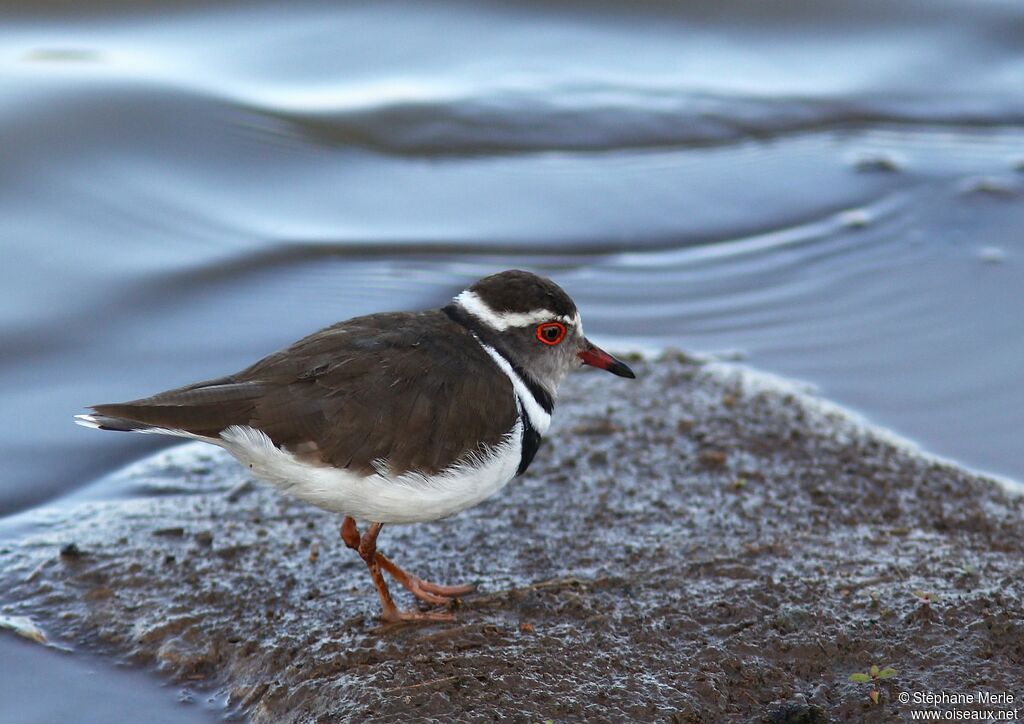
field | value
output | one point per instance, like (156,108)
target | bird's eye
(551,333)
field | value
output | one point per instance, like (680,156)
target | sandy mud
(701,545)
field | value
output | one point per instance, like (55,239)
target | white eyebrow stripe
(472,303)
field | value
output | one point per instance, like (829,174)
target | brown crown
(520,291)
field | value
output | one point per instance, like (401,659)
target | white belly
(380,497)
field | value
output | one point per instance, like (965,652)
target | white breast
(408,498)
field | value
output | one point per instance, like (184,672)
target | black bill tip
(620,368)
(596,357)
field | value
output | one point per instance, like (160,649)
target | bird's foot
(433,593)
(376,562)
(415,588)
(447,591)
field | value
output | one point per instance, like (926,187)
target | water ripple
(560,118)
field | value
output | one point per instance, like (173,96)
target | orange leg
(366,546)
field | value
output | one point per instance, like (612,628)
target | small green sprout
(873,676)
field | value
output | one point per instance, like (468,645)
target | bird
(394,417)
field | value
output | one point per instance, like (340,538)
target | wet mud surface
(701,545)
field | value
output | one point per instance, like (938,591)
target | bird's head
(535,325)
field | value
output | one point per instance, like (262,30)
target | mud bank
(697,546)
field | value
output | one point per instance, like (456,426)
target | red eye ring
(551,333)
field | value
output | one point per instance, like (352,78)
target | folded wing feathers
(384,388)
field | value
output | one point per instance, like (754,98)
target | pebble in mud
(798,713)
(639,584)
(70,552)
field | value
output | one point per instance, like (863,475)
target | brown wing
(415,390)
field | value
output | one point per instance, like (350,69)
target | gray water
(832,189)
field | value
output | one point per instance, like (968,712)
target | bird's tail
(98,421)
(199,411)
